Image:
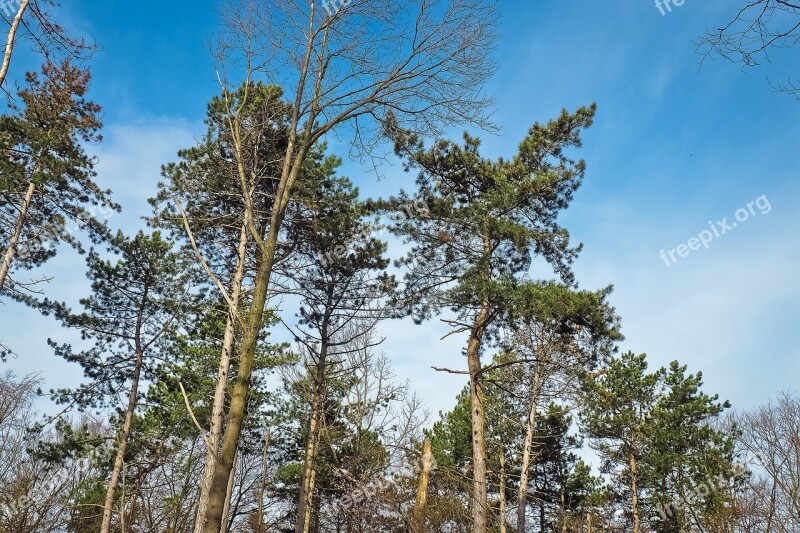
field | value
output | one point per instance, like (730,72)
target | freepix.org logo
(9,7)
(333,6)
(759,206)
(665,6)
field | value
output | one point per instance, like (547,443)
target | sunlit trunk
(12,36)
(530,426)
(418,520)
(634,492)
(119,460)
(11,251)
(502,489)
(221,389)
(480,505)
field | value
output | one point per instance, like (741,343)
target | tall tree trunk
(12,36)
(11,251)
(221,389)
(480,487)
(241,389)
(502,489)
(309,476)
(634,492)
(293,160)
(530,426)
(108,505)
(236,412)
(418,516)
(291,169)
(480,507)
(264,478)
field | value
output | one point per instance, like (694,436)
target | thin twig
(194,419)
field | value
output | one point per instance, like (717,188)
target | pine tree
(338,270)
(479,224)
(47,183)
(618,417)
(660,434)
(135,301)
(690,461)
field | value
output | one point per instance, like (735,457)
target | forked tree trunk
(334,104)
(11,251)
(252,329)
(230,441)
(119,460)
(221,389)
(12,36)
(418,516)
(527,446)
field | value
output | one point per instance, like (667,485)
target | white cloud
(129,161)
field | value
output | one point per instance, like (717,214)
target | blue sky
(674,146)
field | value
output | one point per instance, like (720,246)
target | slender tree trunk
(108,505)
(264,478)
(502,489)
(252,329)
(230,441)
(772,504)
(122,502)
(309,476)
(480,506)
(294,158)
(480,487)
(542,516)
(12,36)
(634,492)
(11,251)
(530,426)
(418,516)
(221,390)
(133,505)
(226,512)
(236,412)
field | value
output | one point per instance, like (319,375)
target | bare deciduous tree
(758,27)
(49,38)
(771,436)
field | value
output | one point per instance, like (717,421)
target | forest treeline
(193,415)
